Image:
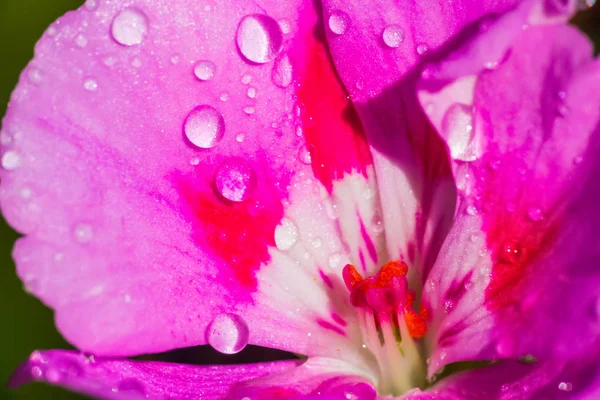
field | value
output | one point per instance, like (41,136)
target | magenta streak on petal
(326,279)
(457,289)
(368,241)
(363,262)
(339,319)
(330,326)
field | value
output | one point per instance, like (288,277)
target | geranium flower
(192,172)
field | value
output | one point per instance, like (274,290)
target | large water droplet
(565,386)
(259,38)
(11,160)
(286,234)
(204,70)
(422,48)
(129,27)
(281,75)
(306,153)
(228,333)
(236,180)
(338,22)
(84,233)
(393,36)
(460,136)
(204,126)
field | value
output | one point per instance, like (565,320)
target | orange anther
(351,276)
(415,324)
(391,270)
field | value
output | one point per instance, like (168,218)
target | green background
(27,324)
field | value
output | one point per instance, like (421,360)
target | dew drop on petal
(91,4)
(204,126)
(81,40)
(393,36)
(228,333)
(204,70)
(240,137)
(224,96)
(11,160)
(195,161)
(422,48)
(249,110)
(251,92)
(281,75)
(335,260)
(84,233)
(305,154)
(129,27)
(90,85)
(285,25)
(259,38)
(286,234)
(534,214)
(471,210)
(316,242)
(236,180)
(338,22)
(457,127)
(565,386)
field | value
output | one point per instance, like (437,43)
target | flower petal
(151,157)
(125,379)
(517,274)
(377,48)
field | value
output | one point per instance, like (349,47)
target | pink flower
(391,189)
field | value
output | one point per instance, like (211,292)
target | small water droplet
(131,385)
(534,214)
(228,333)
(286,234)
(246,79)
(306,154)
(335,260)
(81,40)
(109,61)
(457,127)
(195,161)
(512,252)
(204,70)
(236,179)
(204,126)
(129,27)
(471,210)
(91,4)
(251,92)
(35,76)
(338,22)
(224,96)
(90,85)
(11,160)
(430,286)
(259,38)
(565,386)
(422,48)
(175,59)
(240,137)
(393,36)
(249,110)
(282,72)
(36,372)
(316,242)
(84,233)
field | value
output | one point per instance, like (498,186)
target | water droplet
(249,110)
(204,126)
(259,38)
(282,72)
(338,22)
(131,385)
(129,27)
(228,333)
(224,96)
(81,40)
(251,92)
(236,180)
(585,4)
(90,85)
(36,372)
(457,127)
(246,79)
(84,233)
(316,242)
(335,260)
(512,252)
(285,26)
(306,154)
(240,137)
(204,70)
(195,161)
(11,160)
(286,234)
(422,48)
(393,36)
(565,386)
(534,214)
(471,210)
(175,59)
(35,76)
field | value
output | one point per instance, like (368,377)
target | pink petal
(517,274)
(377,48)
(152,160)
(124,379)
